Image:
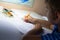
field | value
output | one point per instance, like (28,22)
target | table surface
(12,26)
(17,19)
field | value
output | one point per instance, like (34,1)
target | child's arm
(45,23)
(36,30)
(32,37)
(35,21)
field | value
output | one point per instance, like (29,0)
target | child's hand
(29,19)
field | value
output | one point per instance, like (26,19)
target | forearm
(32,37)
(45,23)
(35,32)
(37,29)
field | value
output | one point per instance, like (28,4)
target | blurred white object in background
(1,8)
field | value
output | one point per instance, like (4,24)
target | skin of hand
(29,19)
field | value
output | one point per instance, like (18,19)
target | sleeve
(54,36)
